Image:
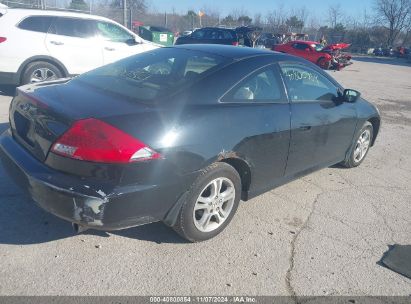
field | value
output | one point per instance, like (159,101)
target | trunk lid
(41,113)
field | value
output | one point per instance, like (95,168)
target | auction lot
(320,235)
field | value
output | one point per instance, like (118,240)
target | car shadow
(383,60)
(22,222)
(7,90)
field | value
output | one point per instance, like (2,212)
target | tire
(41,71)
(354,160)
(189,222)
(323,63)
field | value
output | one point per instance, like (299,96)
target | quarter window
(262,86)
(306,84)
(36,23)
(73,27)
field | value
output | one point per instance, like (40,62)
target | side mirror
(307,49)
(350,95)
(132,41)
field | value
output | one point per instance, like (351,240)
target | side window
(306,84)
(72,27)
(263,86)
(36,23)
(112,32)
(300,46)
(198,34)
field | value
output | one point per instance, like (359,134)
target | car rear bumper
(79,201)
(9,78)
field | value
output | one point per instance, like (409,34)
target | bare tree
(394,15)
(335,15)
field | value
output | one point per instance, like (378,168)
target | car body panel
(191,129)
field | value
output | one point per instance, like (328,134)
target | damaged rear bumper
(94,205)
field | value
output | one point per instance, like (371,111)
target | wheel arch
(376,123)
(45,58)
(244,170)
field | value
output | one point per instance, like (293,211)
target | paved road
(319,235)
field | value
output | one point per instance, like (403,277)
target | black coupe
(180,135)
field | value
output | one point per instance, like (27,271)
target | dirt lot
(320,235)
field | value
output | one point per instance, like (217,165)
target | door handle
(305,128)
(56,42)
(109,49)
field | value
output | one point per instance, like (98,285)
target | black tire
(351,162)
(185,225)
(32,67)
(322,63)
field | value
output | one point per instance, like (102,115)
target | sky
(353,8)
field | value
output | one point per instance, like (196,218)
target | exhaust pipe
(78,228)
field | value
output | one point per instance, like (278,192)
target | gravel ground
(320,235)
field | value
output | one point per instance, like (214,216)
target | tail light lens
(235,43)
(96,141)
(2,39)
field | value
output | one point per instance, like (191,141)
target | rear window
(36,23)
(153,75)
(73,27)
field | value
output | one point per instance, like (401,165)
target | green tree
(294,24)
(244,20)
(79,5)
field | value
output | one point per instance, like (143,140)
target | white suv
(38,45)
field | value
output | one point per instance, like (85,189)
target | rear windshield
(155,74)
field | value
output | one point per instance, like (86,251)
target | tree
(335,14)
(191,16)
(78,5)
(394,15)
(136,5)
(244,20)
(229,20)
(294,24)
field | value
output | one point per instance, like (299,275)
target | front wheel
(324,63)
(360,146)
(211,203)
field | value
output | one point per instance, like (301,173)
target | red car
(325,57)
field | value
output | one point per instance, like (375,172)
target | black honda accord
(180,135)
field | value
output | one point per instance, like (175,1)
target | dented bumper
(98,205)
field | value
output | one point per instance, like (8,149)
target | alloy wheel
(214,204)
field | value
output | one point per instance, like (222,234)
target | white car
(40,45)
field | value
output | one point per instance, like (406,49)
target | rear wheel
(324,63)
(360,146)
(40,71)
(211,203)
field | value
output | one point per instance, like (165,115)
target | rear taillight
(96,141)
(2,39)
(235,43)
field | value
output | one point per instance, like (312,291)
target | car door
(73,42)
(117,43)
(303,50)
(322,127)
(261,108)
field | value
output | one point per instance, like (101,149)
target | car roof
(216,28)
(22,12)
(304,41)
(234,52)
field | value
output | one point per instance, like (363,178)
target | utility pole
(125,13)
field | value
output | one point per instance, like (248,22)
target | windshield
(317,46)
(153,74)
